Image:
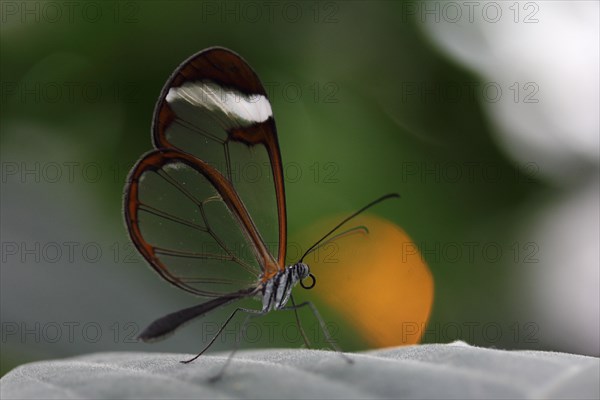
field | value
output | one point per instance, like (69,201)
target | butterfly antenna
(371,204)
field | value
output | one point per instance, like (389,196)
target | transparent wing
(215,108)
(186,219)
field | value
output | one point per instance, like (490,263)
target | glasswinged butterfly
(199,206)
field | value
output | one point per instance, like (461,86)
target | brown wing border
(155,160)
(229,70)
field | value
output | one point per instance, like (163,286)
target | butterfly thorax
(277,290)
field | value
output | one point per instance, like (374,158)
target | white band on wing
(241,108)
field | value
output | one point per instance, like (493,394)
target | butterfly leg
(220,331)
(304,337)
(323,327)
(241,333)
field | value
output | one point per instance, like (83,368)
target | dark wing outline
(209,64)
(156,159)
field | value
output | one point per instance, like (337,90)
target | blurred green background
(365,104)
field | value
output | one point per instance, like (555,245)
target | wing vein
(196,129)
(151,210)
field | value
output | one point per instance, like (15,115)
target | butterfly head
(303,271)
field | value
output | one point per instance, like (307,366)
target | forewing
(187,220)
(215,108)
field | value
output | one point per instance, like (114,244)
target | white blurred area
(553,45)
